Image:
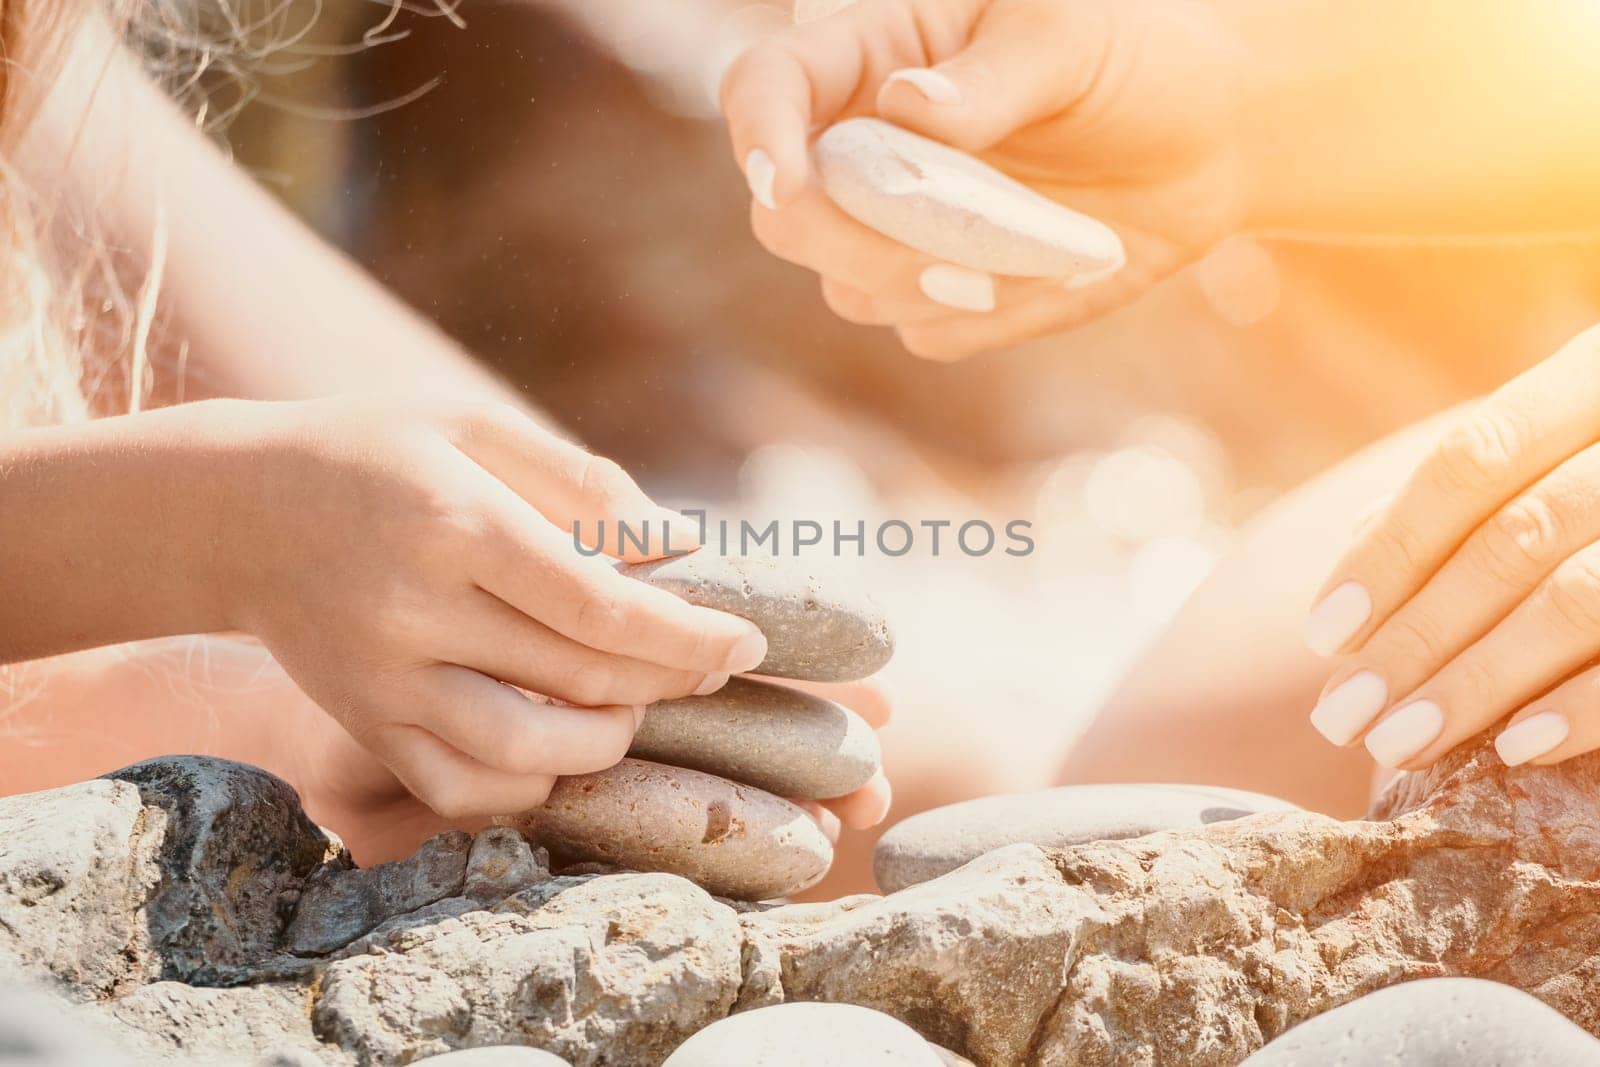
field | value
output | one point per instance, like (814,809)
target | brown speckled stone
(823,633)
(771,736)
(734,840)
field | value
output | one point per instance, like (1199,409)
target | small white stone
(958,209)
(497,1056)
(806,1035)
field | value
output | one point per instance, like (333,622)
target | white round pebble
(497,1056)
(806,1035)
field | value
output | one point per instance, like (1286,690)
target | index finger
(1512,438)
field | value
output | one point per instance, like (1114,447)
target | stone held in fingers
(771,736)
(938,841)
(816,631)
(734,840)
(949,205)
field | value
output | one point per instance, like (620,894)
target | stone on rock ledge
(1435,1022)
(943,202)
(770,736)
(339,905)
(806,1035)
(814,631)
(938,841)
(735,840)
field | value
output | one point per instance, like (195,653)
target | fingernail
(679,533)
(1532,737)
(710,684)
(1337,617)
(748,653)
(1405,733)
(957,287)
(1090,277)
(638,716)
(761,174)
(1344,711)
(936,88)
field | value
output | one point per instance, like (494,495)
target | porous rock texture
(1191,947)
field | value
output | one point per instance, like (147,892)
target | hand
(1119,109)
(1476,593)
(403,564)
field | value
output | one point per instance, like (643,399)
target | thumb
(1025,61)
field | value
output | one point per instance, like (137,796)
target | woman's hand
(1475,594)
(1120,109)
(412,570)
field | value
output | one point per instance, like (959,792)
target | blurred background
(550,183)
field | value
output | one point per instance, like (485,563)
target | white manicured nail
(1532,737)
(1405,733)
(935,87)
(957,287)
(761,174)
(1090,277)
(748,653)
(1337,617)
(710,684)
(1344,711)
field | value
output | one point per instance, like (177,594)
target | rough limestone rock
(616,970)
(734,840)
(235,849)
(1439,1022)
(936,842)
(806,1035)
(36,1030)
(945,203)
(169,1022)
(770,736)
(76,865)
(823,632)
(337,906)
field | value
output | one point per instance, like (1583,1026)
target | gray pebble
(936,842)
(943,202)
(1435,1022)
(814,632)
(502,863)
(770,736)
(734,840)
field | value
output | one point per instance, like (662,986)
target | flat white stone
(1435,1022)
(806,1035)
(945,203)
(936,842)
(497,1056)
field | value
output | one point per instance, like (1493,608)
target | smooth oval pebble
(803,1034)
(938,841)
(733,840)
(814,631)
(770,736)
(1434,1022)
(497,1056)
(943,202)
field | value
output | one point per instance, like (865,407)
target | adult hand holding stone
(1122,111)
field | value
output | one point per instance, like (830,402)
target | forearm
(1422,116)
(113,530)
(267,309)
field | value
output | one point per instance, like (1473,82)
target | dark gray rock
(235,852)
(502,863)
(337,906)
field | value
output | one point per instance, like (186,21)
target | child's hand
(1120,109)
(403,564)
(1476,593)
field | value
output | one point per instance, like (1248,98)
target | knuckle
(1479,454)
(1574,593)
(598,616)
(603,479)
(1415,638)
(1475,687)
(1520,540)
(1395,541)
(593,683)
